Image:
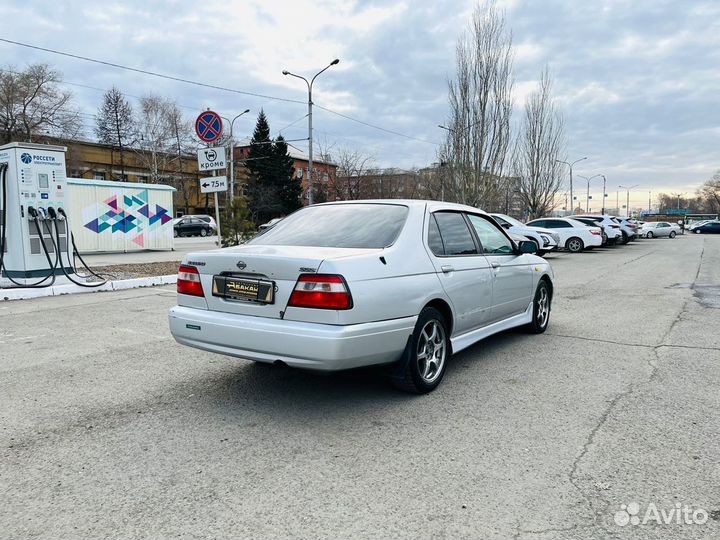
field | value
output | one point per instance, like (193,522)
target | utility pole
(310,128)
(604,195)
(649,201)
(572,210)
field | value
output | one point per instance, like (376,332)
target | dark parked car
(708,228)
(192,226)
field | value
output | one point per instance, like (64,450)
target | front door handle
(495,264)
(447,269)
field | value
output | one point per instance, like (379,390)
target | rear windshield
(371,226)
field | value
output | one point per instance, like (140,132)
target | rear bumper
(298,344)
(595,241)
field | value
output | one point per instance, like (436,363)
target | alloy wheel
(543,307)
(574,245)
(431,351)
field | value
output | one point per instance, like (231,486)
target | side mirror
(506,225)
(526,246)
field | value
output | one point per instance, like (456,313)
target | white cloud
(637,79)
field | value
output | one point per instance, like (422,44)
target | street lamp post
(627,202)
(231,146)
(587,199)
(604,195)
(571,178)
(678,199)
(310,133)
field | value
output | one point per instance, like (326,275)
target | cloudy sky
(638,80)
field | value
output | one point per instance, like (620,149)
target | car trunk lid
(258,280)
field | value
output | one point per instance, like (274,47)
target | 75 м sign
(213,184)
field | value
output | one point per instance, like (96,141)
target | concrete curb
(59,290)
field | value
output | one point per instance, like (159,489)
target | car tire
(697,231)
(203,232)
(541,309)
(423,364)
(625,238)
(574,245)
(672,234)
(649,234)
(175,233)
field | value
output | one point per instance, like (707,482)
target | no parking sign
(208,126)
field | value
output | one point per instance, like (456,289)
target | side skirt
(470,338)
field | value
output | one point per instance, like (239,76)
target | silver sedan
(349,284)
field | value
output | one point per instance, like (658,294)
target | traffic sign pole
(217,220)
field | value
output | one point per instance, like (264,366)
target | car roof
(431,205)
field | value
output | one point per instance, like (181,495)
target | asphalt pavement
(109,429)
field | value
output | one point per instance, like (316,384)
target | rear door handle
(447,269)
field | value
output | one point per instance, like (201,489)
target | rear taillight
(596,232)
(321,291)
(188,281)
(615,226)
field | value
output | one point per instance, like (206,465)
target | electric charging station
(34,233)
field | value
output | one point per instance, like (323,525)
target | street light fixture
(627,201)
(587,199)
(231,146)
(310,132)
(571,179)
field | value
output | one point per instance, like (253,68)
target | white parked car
(659,228)
(609,226)
(348,284)
(544,239)
(575,236)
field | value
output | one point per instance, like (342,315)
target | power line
(214,87)
(375,127)
(151,73)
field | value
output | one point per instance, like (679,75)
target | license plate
(254,290)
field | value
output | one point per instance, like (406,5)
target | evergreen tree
(272,190)
(289,188)
(115,125)
(262,190)
(236,225)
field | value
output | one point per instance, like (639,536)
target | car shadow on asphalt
(302,396)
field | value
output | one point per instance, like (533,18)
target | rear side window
(455,234)
(370,226)
(435,242)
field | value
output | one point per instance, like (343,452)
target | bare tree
(480,99)
(540,143)
(182,144)
(31,104)
(710,194)
(115,125)
(155,145)
(353,169)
